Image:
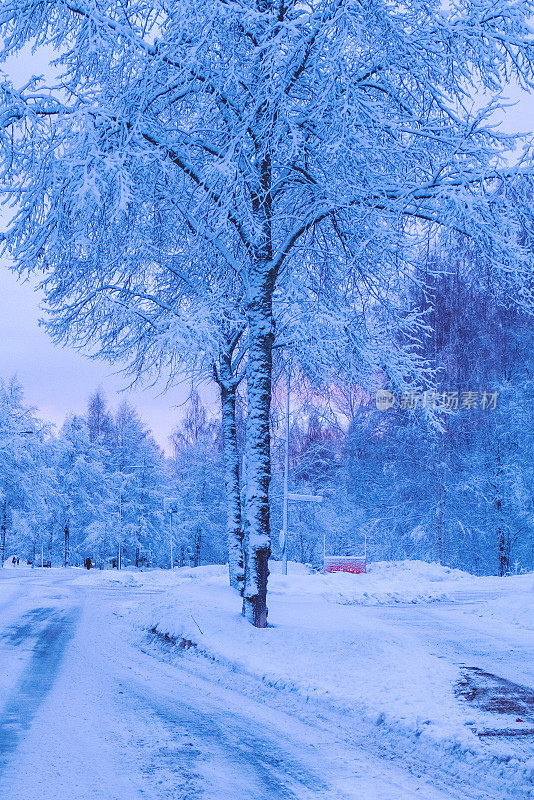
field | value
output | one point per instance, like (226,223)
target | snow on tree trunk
(234,529)
(258,455)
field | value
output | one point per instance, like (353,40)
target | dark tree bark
(4,530)
(440,522)
(198,543)
(67,545)
(504,542)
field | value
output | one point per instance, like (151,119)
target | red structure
(354,564)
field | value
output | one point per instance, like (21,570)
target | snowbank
(516,608)
(330,639)
(361,643)
(385,583)
(127,578)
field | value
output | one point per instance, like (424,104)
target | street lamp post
(290,496)
(286,479)
(167,502)
(170,538)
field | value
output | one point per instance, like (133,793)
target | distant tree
(99,420)
(82,490)
(24,472)
(452,486)
(137,480)
(196,481)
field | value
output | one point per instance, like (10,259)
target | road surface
(93,710)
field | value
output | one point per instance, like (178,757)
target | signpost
(167,502)
(354,564)
(290,496)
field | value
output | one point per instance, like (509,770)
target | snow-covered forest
(258,192)
(307,227)
(452,488)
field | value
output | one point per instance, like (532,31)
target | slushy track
(95,715)
(52,630)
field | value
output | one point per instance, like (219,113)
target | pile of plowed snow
(385,583)
(331,637)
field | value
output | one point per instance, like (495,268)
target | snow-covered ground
(390,646)
(356,690)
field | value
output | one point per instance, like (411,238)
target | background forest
(444,475)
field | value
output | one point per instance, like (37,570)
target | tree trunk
(257,522)
(440,513)
(67,545)
(198,541)
(504,542)
(4,530)
(234,531)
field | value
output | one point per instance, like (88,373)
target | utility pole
(170,537)
(286,478)
(308,498)
(119,558)
(167,506)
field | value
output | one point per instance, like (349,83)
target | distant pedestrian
(88,563)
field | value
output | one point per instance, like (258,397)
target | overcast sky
(58,380)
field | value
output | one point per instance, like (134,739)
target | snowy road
(89,711)
(455,631)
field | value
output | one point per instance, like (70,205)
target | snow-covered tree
(81,490)
(277,133)
(196,484)
(137,485)
(99,420)
(25,477)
